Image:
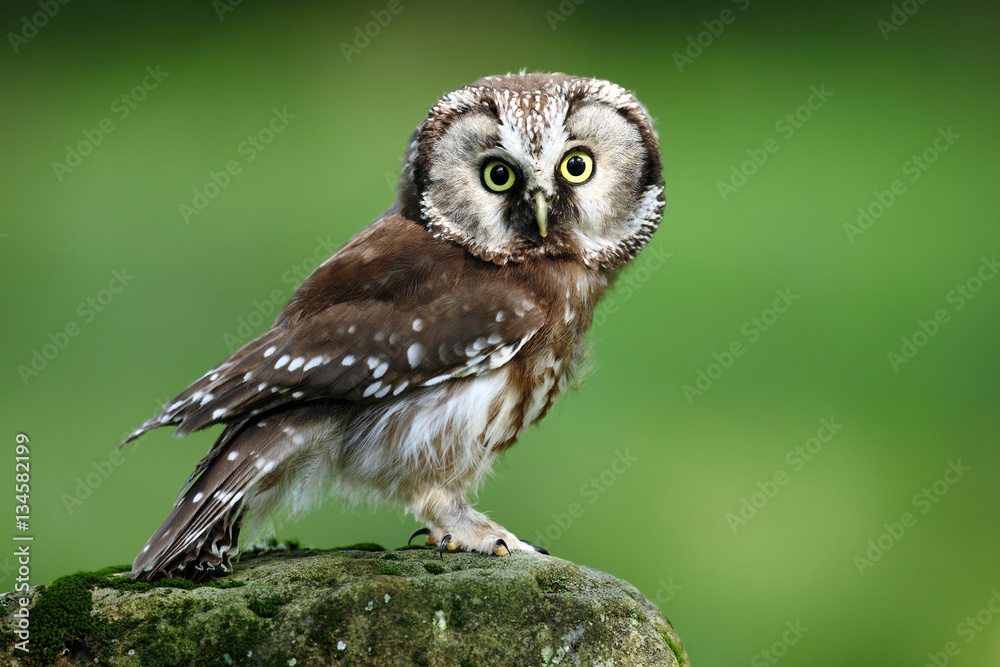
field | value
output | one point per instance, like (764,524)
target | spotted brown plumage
(424,347)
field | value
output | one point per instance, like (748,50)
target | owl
(407,362)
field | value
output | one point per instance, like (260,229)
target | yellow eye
(498,176)
(577,167)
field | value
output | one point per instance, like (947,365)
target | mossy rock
(349,607)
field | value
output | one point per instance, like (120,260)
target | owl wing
(393,311)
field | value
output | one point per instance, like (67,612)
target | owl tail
(212,549)
(201,534)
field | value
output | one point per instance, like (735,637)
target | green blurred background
(662,522)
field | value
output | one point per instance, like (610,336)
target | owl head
(529,165)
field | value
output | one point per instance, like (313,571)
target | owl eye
(577,167)
(498,176)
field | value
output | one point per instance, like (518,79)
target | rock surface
(354,606)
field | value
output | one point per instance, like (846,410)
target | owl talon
(418,533)
(446,542)
(537,548)
(501,548)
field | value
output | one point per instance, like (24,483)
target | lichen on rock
(350,606)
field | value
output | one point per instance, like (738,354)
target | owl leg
(453,524)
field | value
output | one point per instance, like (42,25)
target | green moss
(268,608)
(62,616)
(678,651)
(551,584)
(329,617)
(361,546)
(434,568)
(458,618)
(411,547)
(130,584)
(391,570)
(236,638)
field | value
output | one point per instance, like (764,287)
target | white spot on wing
(380,371)
(198,496)
(373,362)
(219,413)
(232,455)
(271,350)
(418,324)
(313,363)
(206,398)
(348,360)
(372,388)
(398,390)
(297,363)
(414,354)
(282,361)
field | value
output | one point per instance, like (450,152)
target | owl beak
(542,214)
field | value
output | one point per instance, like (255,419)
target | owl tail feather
(212,551)
(200,536)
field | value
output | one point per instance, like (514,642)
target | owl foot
(498,546)
(453,525)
